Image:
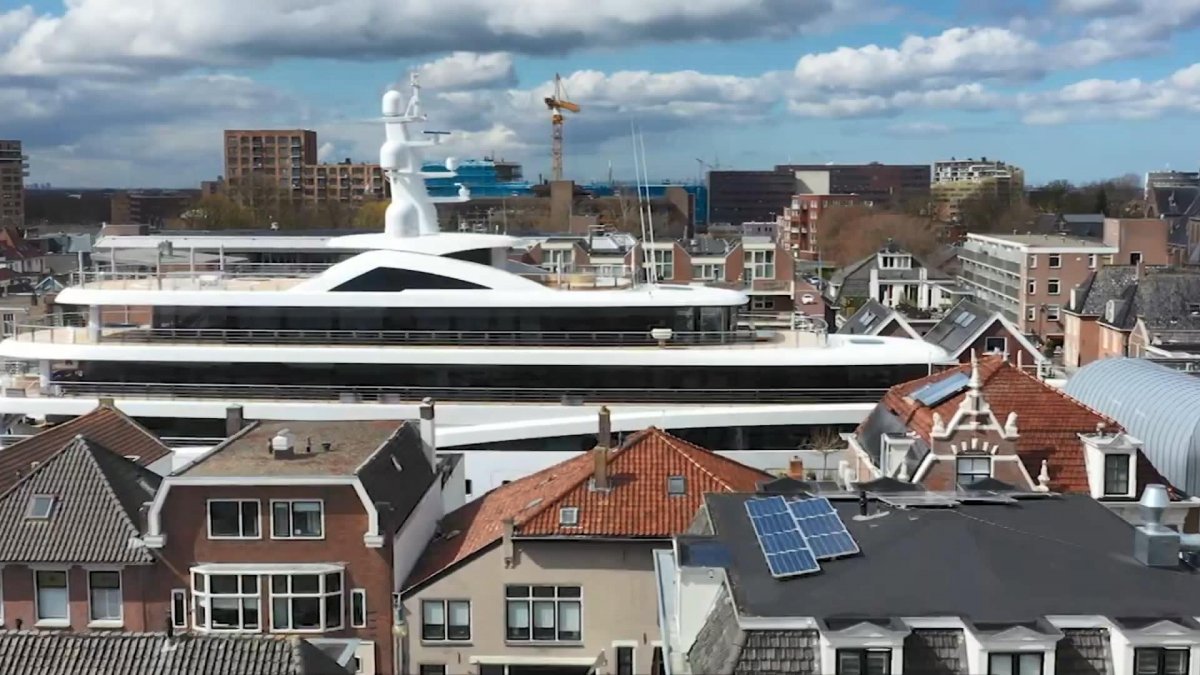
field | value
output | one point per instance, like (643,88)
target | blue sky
(136,92)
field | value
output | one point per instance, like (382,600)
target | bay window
(543,613)
(306,602)
(226,602)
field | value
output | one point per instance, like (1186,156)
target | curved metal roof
(1156,404)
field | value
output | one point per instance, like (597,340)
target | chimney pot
(428,431)
(864,504)
(796,468)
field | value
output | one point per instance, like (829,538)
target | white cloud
(468,70)
(919,129)
(1133,99)
(1096,7)
(131,36)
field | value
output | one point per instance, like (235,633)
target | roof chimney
(428,435)
(106,402)
(600,452)
(1155,544)
(234,420)
(796,468)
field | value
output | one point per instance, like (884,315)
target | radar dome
(451,163)
(393,103)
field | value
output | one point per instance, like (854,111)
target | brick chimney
(796,468)
(600,479)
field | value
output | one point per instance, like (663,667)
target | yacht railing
(70,329)
(176,271)
(378,394)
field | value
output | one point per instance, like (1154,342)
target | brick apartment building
(14,166)
(956,180)
(286,159)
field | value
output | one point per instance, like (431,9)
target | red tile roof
(1049,422)
(637,505)
(105,426)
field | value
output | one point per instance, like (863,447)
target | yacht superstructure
(409,313)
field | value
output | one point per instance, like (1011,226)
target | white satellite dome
(393,103)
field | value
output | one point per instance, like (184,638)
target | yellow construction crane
(557,104)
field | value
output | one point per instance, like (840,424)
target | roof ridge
(1070,399)
(684,448)
(136,424)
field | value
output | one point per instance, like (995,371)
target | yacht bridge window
(392,279)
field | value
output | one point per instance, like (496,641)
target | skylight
(568,516)
(676,485)
(40,507)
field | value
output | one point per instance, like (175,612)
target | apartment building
(799,226)
(298,528)
(276,157)
(1029,277)
(554,573)
(956,180)
(891,184)
(342,182)
(14,167)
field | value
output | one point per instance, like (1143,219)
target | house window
(970,470)
(446,620)
(1031,287)
(568,516)
(10,323)
(1053,286)
(664,263)
(864,662)
(757,302)
(1054,260)
(656,662)
(306,602)
(358,608)
(676,485)
(1155,661)
(297,519)
(51,588)
(544,613)
(40,507)
(233,519)
(624,660)
(708,272)
(178,608)
(226,602)
(1031,313)
(995,345)
(760,265)
(1029,663)
(1116,474)
(1135,258)
(433,669)
(1033,262)
(104,596)
(1092,261)
(1053,312)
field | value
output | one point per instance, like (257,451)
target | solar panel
(970,496)
(821,525)
(785,548)
(936,392)
(903,500)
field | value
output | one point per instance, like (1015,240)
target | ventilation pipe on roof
(1155,544)
(234,420)
(283,443)
(428,435)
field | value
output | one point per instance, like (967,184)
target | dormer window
(1116,474)
(40,507)
(970,470)
(568,516)
(676,485)
(1028,663)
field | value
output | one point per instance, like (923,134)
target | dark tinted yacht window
(393,279)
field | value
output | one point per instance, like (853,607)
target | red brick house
(989,421)
(298,528)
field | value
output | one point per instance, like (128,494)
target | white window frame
(1092,261)
(1140,258)
(568,516)
(445,603)
(760,264)
(106,622)
(972,458)
(1050,258)
(664,263)
(241,521)
(291,516)
(321,594)
(529,601)
(203,601)
(1031,287)
(763,303)
(1129,475)
(679,479)
(1053,312)
(1003,348)
(179,619)
(708,271)
(1031,313)
(1032,261)
(51,622)
(1053,286)
(358,596)
(32,514)
(632,646)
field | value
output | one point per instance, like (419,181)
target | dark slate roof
(1177,201)
(705,246)
(951,335)
(97,499)
(869,318)
(1068,555)
(1110,282)
(61,653)
(1164,298)
(1083,224)
(881,422)
(399,475)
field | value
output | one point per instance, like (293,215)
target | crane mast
(557,104)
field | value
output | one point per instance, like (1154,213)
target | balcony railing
(990,261)
(373,394)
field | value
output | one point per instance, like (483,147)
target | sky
(136,93)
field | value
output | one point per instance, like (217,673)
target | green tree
(1102,201)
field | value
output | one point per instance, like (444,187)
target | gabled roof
(105,426)
(1049,422)
(388,457)
(872,318)
(96,496)
(63,653)
(637,505)
(965,323)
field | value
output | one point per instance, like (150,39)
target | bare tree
(827,441)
